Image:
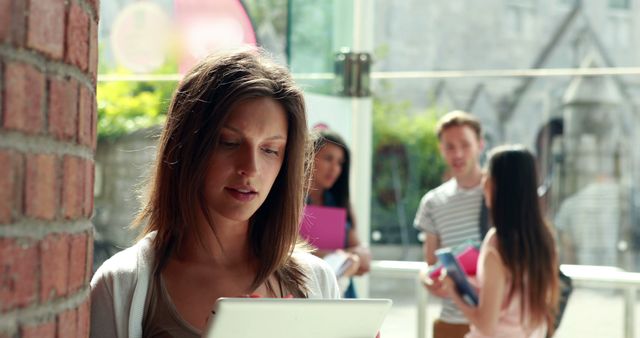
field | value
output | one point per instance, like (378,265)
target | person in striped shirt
(450,214)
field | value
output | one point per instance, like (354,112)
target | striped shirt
(452,213)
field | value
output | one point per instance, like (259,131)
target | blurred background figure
(330,187)
(452,214)
(589,221)
(517,279)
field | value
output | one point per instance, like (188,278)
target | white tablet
(296,318)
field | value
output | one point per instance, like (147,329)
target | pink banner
(206,26)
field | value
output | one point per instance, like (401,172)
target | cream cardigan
(119,288)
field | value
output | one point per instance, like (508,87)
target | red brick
(54,258)
(93,49)
(20,162)
(7,186)
(94,125)
(89,179)
(83,318)
(77,37)
(18,270)
(63,108)
(41,186)
(84,117)
(95,5)
(43,330)
(1,94)
(19,18)
(72,187)
(89,267)
(46,27)
(5,19)
(78,261)
(13,18)
(67,324)
(23,96)
(18,165)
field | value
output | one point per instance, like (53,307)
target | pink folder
(468,259)
(324,227)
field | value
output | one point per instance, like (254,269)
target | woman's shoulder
(491,238)
(127,263)
(490,245)
(311,262)
(118,291)
(321,281)
(490,250)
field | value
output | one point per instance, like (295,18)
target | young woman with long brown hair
(517,267)
(223,209)
(330,187)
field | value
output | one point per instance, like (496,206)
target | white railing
(581,276)
(607,277)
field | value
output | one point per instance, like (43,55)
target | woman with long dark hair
(330,187)
(517,267)
(223,208)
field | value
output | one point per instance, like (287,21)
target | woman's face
(246,161)
(327,166)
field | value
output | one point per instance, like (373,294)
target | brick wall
(48,61)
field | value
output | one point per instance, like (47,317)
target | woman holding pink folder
(330,187)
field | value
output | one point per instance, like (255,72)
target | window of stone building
(519,18)
(619,29)
(620,4)
(567,3)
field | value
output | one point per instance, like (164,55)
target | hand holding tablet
(457,274)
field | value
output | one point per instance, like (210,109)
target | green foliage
(406,164)
(127,106)
(124,107)
(268,12)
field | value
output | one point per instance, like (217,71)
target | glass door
(328,48)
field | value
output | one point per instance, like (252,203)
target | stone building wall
(122,168)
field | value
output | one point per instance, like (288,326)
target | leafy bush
(124,107)
(406,164)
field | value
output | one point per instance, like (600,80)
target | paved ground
(590,313)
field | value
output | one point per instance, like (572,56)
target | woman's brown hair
(195,117)
(525,242)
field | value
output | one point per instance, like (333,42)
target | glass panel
(580,127)
(619,30)
(522,2)
(620,4)
(317,30)
(528,91)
